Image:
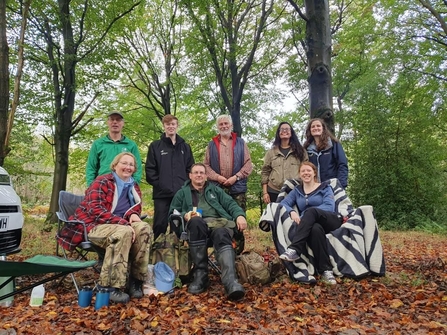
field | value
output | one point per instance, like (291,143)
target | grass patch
(36,241)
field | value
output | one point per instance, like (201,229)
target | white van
(11,217)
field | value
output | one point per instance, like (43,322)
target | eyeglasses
(127,164)
(198,172)
(284,130)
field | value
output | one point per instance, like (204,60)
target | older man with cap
(106,148)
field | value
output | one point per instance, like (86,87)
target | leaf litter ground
(410,299)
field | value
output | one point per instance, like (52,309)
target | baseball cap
(116,113)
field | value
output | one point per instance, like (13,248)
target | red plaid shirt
(97,208)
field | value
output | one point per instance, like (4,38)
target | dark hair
(324,138)
(295,145)
(198,164)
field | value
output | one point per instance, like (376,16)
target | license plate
(3,223)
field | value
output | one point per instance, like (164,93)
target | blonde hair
(118,158)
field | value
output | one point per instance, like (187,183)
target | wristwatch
(238,178)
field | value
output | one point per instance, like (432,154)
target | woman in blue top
(326,152)
(317,217)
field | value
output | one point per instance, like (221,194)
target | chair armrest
(177,221)
(63,220)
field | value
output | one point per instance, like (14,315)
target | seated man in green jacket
(220,216)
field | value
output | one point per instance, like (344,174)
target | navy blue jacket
(330,162)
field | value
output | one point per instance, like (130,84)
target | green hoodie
(102,153)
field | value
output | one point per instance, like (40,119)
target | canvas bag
(168,248)
(251,268)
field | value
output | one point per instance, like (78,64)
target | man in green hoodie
(104,150)
(219,218)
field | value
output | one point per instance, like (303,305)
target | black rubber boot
(199,255)
(135,288)
(227,258)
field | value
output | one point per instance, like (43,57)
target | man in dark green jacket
(210,214)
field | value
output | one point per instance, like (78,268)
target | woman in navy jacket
(326,152)
(315,218)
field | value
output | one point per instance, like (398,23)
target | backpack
(251,268)
(168,248)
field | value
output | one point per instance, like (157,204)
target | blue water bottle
(102,298)
(85,296)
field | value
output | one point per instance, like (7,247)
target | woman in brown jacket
(281,162)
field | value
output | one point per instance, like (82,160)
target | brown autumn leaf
(410,299)
(396,303)
(136,324)
(103,326)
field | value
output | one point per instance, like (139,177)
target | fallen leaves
(410,299)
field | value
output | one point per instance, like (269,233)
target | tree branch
(78,119)
(101,38)
(298,10)
(435,13)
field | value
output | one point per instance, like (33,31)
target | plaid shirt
(97,208)
(226,160)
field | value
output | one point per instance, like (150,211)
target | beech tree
(238,47)
(66,37)
(7,109)
(318,45)
(149,58)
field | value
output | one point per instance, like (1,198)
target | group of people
(320,158)
(282,161)
(111,208)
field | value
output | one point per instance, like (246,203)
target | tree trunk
(319,52)
(65,92)
(64,102)
(4,82)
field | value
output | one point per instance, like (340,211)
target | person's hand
(190,215)
(295,217)
(266,198)
(241,223)
(221,180)
(193,213)
(134,218)
(230,181)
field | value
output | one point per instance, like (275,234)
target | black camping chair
(177,224)
(68,202)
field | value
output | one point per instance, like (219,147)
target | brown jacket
(278,168)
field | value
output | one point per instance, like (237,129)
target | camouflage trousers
(240,198)
(120,251)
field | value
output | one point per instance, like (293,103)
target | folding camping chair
(68,202)
(177,224)
(39,264)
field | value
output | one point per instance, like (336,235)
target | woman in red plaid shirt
(111,212)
